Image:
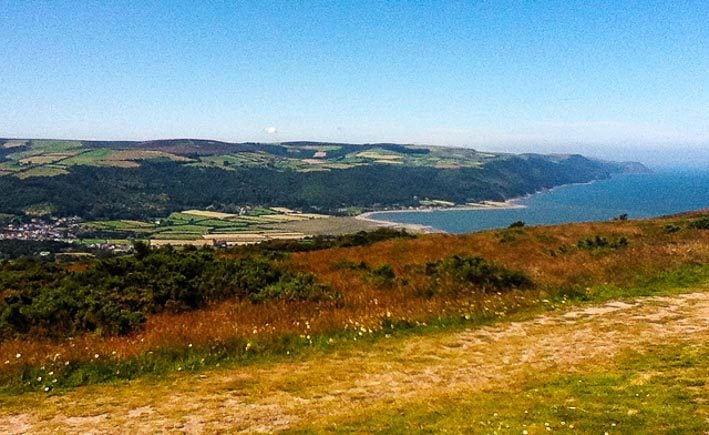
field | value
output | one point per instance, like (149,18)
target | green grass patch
(234,228)
(177,235)
(186,218)
(93,241)
(667,282)
(224,161)
(260,211)
(216,223)
(660,391)
(54,146)
(122,225)
(234,161)
(92,157)
(189,228)
(12,166)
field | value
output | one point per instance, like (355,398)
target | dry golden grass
(529,250)
(44,159)
(209,214)
(42,171)
(357,382)
(14,143)
(365,307)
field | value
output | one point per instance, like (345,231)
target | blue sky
(605,77)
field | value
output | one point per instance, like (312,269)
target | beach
(483,205)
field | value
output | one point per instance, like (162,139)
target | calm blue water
(639,195)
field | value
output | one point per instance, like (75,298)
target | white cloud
(271,130)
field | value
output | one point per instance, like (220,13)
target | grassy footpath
(661,390)
(582,366)
(239,352)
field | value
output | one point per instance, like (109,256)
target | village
(54,229)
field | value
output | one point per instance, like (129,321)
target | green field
(123,225)
(88,158)
(48,158)
(193,224)
(303,157)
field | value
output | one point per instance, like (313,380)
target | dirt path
(278,396)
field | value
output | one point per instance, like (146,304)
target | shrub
(599,242)
(349,265)
(297,287)
(457,273)
(672,228)
(383,275)
(700,224)
(510,235)
(517,224)
(115,295)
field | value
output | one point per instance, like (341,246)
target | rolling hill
(594,326)
(134,180)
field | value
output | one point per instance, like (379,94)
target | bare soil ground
(283,395)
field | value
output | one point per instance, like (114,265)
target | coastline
(511,203)
(483,205)
(415,228)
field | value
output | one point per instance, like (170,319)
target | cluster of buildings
(111,247)
(59,229)
(232,239)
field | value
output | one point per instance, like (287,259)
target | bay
(639,195)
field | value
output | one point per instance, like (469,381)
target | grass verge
(662,390)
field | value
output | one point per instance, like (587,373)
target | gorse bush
(511,234)
(114,295)
(298,287)
(700,224)
(598,242)
(463,273)
(350,265)
(383,276)
(672,228)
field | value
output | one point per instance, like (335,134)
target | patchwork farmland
(46,158)
(206,227)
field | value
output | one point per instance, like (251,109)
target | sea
(659,193)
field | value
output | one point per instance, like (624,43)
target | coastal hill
(590,327)
(137,180)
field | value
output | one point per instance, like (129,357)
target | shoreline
(483,205)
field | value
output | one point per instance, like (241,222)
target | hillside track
(278,396)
